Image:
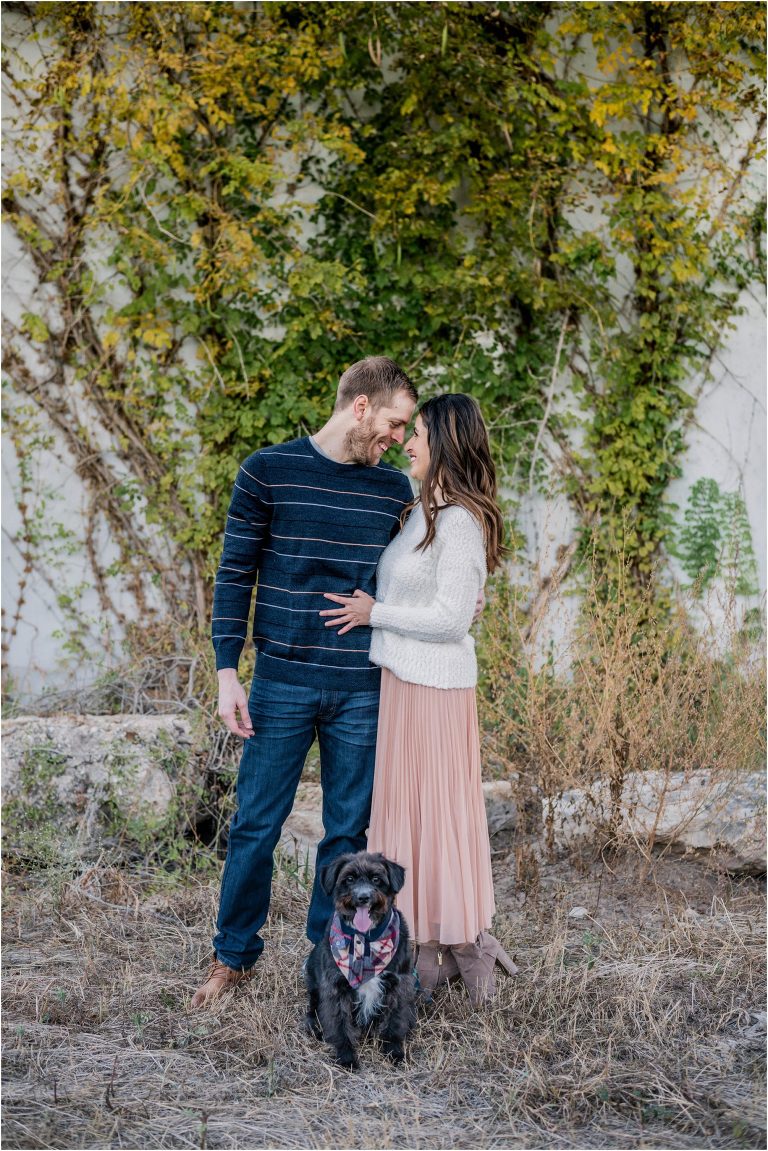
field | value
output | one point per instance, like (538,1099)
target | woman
(428,811)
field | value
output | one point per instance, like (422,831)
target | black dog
(360,974)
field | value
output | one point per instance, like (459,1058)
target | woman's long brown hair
(460,465)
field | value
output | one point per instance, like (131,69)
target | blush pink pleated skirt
(428,811)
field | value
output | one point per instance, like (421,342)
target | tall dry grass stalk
(626,689)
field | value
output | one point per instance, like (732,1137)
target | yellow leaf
(156,338)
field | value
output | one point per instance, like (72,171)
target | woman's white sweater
(425,601)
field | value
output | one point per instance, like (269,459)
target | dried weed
(641,1024)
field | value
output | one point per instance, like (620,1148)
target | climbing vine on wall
(217,207)
(150,196)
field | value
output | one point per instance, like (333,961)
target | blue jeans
(286,718)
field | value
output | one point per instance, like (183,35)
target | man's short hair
(378,378)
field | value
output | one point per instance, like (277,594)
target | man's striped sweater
(303,525)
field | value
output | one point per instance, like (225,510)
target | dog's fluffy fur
(385,1004)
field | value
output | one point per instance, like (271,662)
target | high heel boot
(435,965)
(477,965)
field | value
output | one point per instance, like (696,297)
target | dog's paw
(312,1024)
(347,1058)
(393,1050)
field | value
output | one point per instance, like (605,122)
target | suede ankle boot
(477,965)
(435,965)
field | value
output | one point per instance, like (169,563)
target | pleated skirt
(428,812)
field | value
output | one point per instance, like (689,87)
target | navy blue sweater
(302,525)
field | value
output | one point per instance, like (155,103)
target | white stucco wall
(727,443)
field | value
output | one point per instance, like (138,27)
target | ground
(638,1022)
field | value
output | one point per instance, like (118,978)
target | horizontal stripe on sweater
(303,547)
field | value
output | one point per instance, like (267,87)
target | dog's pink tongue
(362,920)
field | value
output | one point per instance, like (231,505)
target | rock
(500,807)
(699,812)
(759,1022)
(578,913)
(303,829)
(91,775)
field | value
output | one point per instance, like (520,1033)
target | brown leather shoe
(218,980)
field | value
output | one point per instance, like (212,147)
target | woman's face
(417,450)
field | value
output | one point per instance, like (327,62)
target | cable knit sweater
(425,601)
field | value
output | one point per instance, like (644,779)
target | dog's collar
(359,955)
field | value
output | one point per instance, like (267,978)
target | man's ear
(361,406)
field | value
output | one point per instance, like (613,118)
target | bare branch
(549,400)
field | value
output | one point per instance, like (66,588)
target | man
(306,517)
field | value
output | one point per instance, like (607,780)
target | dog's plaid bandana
(361,955)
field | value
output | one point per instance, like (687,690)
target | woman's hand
(354,612)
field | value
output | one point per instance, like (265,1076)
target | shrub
(629,691)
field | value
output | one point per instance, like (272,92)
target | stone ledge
(697,812)
(71,768)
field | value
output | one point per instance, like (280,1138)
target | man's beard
(359,444)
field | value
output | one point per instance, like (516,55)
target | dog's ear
(396,875)
(330,873)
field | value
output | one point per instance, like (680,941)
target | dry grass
(632,689)
(641,1025)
